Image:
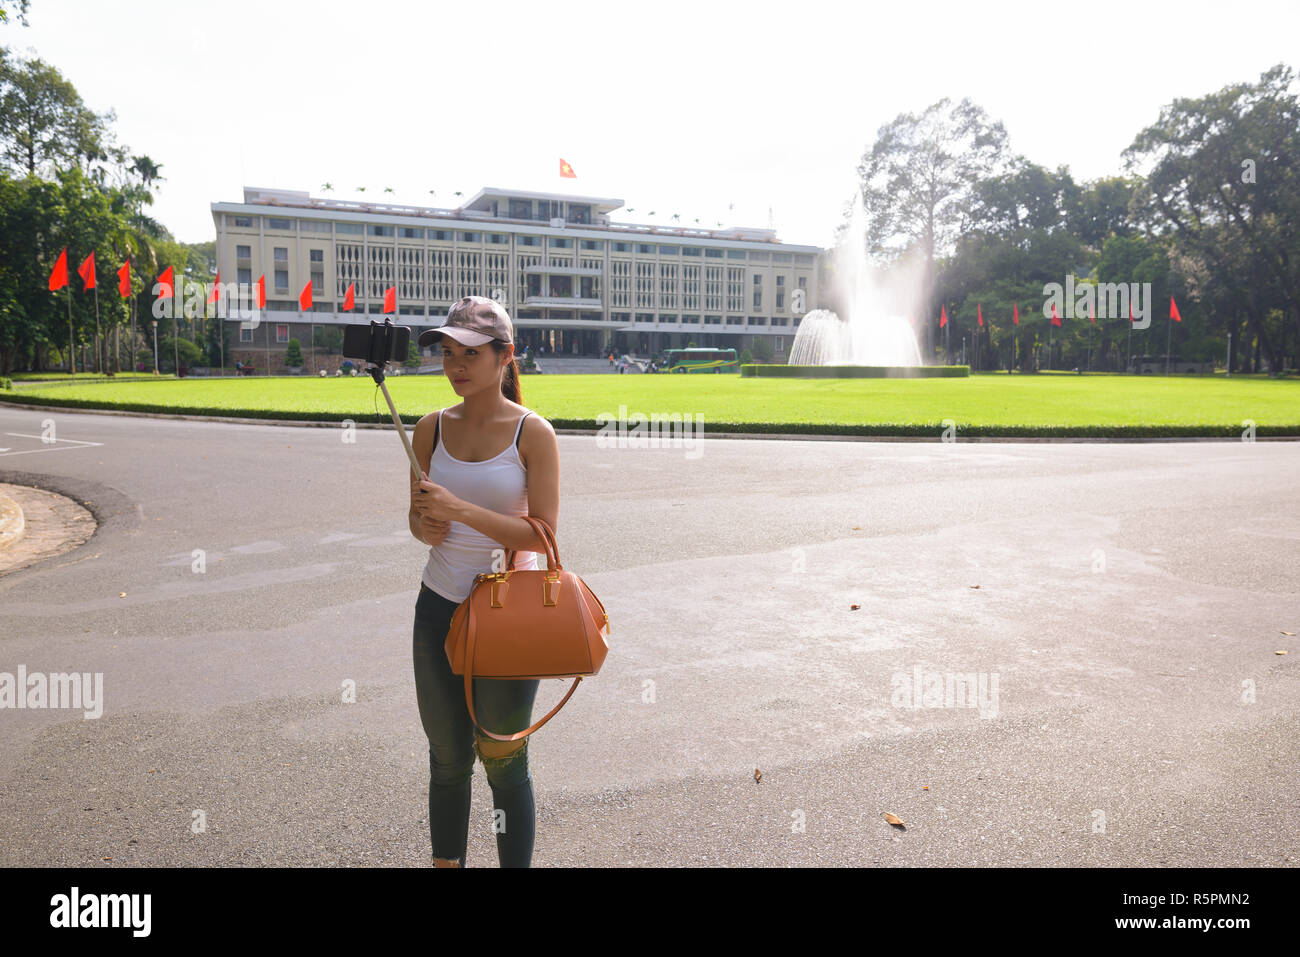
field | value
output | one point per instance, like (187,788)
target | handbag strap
(547,535)
(469,694)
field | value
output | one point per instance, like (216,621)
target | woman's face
(470,369)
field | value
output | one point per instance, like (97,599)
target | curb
(13,523)
(781,436)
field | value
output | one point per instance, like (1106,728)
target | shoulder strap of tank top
(519,431)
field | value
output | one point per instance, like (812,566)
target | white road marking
(50,447)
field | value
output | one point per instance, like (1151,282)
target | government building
(573,281)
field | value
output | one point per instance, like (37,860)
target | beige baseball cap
(473,321)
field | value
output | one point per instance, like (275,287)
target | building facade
(572,279)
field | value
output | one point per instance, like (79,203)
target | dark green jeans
(503,707)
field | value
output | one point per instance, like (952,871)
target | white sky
(672,107)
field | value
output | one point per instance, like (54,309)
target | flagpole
(1129,364)
(101,354)
(72,347)
(1169,337)
(176,330)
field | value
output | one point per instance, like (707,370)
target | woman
(486,462)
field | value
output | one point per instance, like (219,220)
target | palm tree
(388,189)
(458,193)
(146,169)
(677,217)
(361,189)
(327,187)
(631,210)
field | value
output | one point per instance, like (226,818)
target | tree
(19,8)
(1225,178)
(44,125)
(917,180)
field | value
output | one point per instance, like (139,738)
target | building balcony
(563,302)
(565,270)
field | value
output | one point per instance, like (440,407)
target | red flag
(1015,313)
(979,312)
(350,297)
(87,272)
(124,280)
(1173,310)
(304,298)
(216,286)
(1130,310)
(59,274)
(567,170)
(261,291)
(1092,312)
(943,316)
(390,299)
(1056,320)
(166,280)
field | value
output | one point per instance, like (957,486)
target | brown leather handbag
(529,623)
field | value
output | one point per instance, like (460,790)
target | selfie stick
(376,371)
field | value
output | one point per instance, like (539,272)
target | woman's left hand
(434,501)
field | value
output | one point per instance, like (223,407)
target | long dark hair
(510,381)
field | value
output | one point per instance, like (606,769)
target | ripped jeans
(502,706)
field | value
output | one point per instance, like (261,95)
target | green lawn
(1045,404)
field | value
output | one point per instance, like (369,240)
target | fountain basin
(778,370)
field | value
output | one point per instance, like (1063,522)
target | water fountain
(870,340)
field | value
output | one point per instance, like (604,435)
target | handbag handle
(547,536)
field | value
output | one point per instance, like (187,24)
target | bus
(700,360)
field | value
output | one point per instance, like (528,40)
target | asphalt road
(1131,601)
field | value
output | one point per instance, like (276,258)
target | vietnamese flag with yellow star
(566,170)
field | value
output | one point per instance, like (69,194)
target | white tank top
(498,484)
